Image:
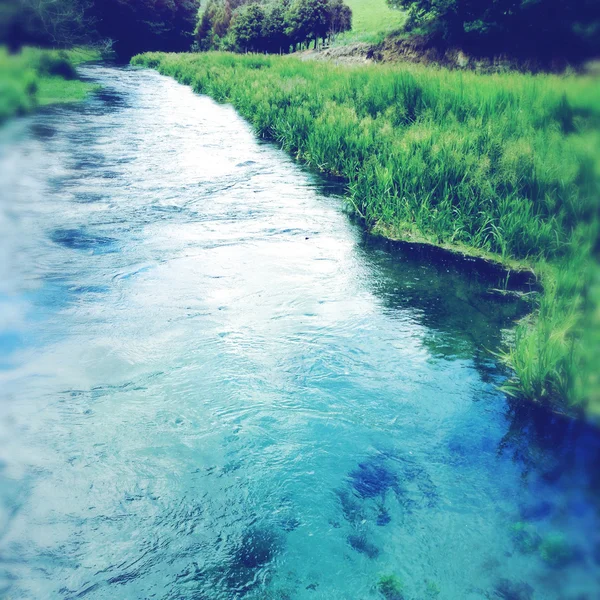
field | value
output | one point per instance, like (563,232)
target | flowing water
(214,386)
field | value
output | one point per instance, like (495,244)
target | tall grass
(506,165)
(36,77)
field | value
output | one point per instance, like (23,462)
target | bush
(57,65)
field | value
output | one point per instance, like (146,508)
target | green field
(503,165)
(372,20)
(37,77)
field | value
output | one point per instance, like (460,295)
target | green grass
(36,77)
(506,165)
(372,21)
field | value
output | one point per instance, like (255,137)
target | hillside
(372,20)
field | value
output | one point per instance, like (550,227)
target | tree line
(276,27)
(522,28)
(131,25)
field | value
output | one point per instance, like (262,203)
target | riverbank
(504,165)
(35,77)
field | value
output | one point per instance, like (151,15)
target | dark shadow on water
(86,161)
(111,99)
(454,298)
(552,447)
(246,569)
(42,131)
(80,239)
(88,197)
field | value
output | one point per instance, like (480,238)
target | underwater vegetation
(537,512)
(506,589)
(364,501)
(376,481)
(373,479)
(417,489)
(257,547)
(553,548)
(556,550)
(382,473)
(390,587)
(432,590)
(383,516)
(360,543)
(352,510)
(525,537)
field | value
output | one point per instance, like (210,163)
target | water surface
(214,386)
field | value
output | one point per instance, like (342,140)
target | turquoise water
(214,386)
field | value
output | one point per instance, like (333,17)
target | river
(214,385)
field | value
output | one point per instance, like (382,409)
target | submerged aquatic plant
(373,478)
(432,589)
(538,511)
(351,508)
(390,587)
(556,550)
(383,516)
(360,543)
(525,537)
(506,589)
(257,547)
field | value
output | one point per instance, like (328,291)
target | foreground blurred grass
(36,77)
(504,165)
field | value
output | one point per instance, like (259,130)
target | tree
(269,25)
(340,17)
(142,25)
(309,20)
(521,27)
(274,30)
(58,23)
(247,27)
(214,23)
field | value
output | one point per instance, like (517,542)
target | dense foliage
(520,27)
(274,26)
(132,25)
(45,22)
(505,164)
(138,25)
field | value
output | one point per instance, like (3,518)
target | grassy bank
(36,77)
(506,165)
(372,20)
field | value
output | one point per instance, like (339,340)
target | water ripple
(215,386)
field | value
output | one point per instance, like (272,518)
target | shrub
(57,65)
